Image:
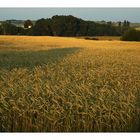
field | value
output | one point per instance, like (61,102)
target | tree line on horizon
(65,26)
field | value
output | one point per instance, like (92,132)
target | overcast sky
(96,14)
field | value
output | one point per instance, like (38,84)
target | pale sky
(96,14)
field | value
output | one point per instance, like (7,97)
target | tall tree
(119,23)
(42,27)
(128,24)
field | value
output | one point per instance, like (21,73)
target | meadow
(59,84)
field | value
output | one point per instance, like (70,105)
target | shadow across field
(30,59)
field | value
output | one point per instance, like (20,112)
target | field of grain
(56,84)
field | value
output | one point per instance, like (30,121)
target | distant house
(28,24)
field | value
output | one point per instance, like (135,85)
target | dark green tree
(1,30)
(9,29)
(119,23)
(42,28)
(127,23)
(66,26)
(131,35)
(109,23)
(124,23)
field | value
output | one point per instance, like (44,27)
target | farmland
(59,84)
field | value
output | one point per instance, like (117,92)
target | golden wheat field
(90,86)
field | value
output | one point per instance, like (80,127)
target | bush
(131,35)
(1,30)
(91,38)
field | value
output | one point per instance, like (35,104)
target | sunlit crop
(94,88)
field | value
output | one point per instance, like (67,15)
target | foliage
(91,38)
(10,29)
(1,30)
(131,35)
(72,26)
(42,28)
(67,26)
